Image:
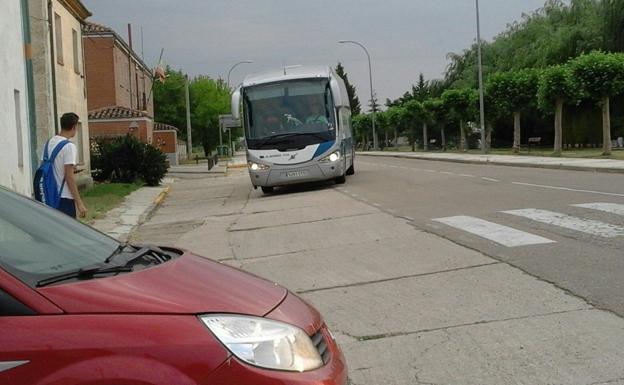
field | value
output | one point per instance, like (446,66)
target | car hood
(185,285)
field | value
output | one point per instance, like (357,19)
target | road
(411,296)
(581,252)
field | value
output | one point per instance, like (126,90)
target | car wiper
(289,135)
(85,273)
(117,251)
(273,137)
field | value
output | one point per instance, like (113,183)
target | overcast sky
(404,37)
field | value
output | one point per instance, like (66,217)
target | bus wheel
(351,170)
(267,190)
(340,180)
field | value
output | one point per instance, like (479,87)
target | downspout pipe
(30,82)
(53,67)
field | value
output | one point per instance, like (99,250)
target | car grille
(318,340)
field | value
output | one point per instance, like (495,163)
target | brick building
(119,85)
(166,139)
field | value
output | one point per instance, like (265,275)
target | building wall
(110,128)
(71,92)
(165,141)
(42,72)
(16,172)
(133,83)
(99,67)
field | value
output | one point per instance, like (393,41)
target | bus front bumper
(285,175)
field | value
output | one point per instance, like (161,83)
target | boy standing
(65,165)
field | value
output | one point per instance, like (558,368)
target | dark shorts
(68,206)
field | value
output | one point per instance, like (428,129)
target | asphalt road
(526,217)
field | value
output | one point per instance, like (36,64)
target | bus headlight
(265,343)
(333,157)
(257,166)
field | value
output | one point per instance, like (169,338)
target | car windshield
(37,242)
(292,113)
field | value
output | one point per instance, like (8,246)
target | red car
(78,307)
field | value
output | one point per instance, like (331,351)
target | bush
(154,166)
(126,160)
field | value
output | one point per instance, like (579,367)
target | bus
(297,124)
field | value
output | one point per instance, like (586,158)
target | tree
(556,87)
(613,16)
(420,91)
(438,113)
(362,127)
(351,92)
(430,110)
(514,92)
(415,113)
(461,106)
(396,117)
(601,77)
(209,99)
(373,104)
(169,101)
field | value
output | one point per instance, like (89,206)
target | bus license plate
(296,174)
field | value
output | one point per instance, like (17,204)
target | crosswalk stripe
(588,226)
(612,208)
(500,234)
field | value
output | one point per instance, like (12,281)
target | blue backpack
(45,187)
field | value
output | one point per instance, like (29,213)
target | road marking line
(467,175)
(447,172)
(612,208)
(500,234)
(490,179)
(588,226)
(568,189)
(355,195)
(376,204)
(430,170)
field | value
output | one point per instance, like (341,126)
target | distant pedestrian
(60,192)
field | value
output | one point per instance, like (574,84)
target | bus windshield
(289,114)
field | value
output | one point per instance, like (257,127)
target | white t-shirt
(65,157)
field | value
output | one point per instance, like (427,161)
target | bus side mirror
(236,102)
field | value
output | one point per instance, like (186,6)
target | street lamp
(370,75)
(234,66)
(480,65)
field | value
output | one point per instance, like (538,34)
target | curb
(559,166)
(152,208)
(237,166)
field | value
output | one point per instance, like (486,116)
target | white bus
(297,124)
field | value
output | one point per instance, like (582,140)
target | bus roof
(288,73)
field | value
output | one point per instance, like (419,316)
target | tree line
(558,71)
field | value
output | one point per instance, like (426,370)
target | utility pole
(481,101)
(189,140)
(370,78)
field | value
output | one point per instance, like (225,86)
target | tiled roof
(91,27)
(116,112)
(164,127)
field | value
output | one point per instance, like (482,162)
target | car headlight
(257,166)
(333,157)
(265,343)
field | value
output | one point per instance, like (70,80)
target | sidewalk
(133,211)
(596,165)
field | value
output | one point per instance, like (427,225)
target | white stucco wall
(70,85)
(13,174)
